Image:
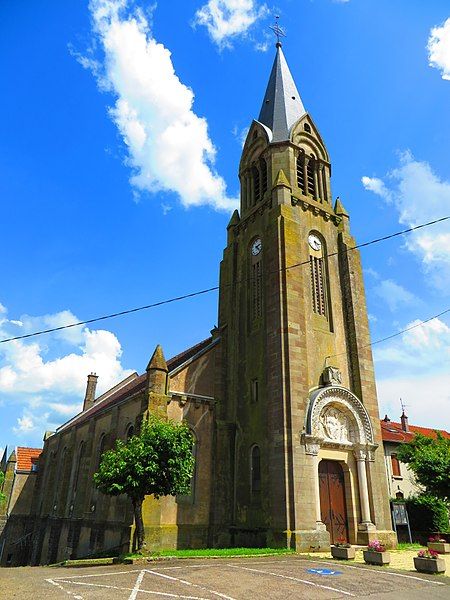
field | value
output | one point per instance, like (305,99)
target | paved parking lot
(278,578)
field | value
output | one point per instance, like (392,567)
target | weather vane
(277,30)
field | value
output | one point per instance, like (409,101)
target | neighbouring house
(401,480)
(20,470)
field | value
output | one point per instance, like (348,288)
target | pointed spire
(282,105)
(282,180)
(235,219)
(157,361)
(339,208)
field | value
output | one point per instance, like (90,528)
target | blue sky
(121,133)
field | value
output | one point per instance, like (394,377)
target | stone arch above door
(336,417)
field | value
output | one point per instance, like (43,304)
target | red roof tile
(26,458)
(393,432)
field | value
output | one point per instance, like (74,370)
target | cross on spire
(277,31)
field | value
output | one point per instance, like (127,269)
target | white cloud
(418,350)
(420,196)
(169,148)
(427,399)
(414,367)
(394,295)
(377,186)
(226,20)
(439,49)
(47,381)
(25,424)
(240,134)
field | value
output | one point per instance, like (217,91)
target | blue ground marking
(323,572)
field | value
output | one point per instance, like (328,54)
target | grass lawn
(406,546)
(208,552)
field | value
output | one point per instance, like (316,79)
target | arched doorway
(332,500)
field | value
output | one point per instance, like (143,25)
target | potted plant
(438,544)
(429,561)
(376,554)
(342,550)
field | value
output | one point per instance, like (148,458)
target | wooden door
(332,500)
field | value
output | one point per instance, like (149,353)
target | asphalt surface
(278,578)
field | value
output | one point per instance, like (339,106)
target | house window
(255,471)
(130,432)
(395,466)
(307,127)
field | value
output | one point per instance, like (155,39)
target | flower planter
(342,553)
(429,565)
(376,558)
(441,547)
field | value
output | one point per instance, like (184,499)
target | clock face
(314,242)
(256,247)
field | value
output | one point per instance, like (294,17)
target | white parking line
(76,597)
(189,583)
(128,589)
(383,572)
(305,581)
(98,574)
(137,585)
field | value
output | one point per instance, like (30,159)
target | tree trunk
(139,522)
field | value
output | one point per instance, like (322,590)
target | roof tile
(26,458)
(393,432)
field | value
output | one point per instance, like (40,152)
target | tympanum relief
(335,426)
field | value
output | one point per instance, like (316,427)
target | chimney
(404,420)
(89,397)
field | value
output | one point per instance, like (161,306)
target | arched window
(255,471)
(101,448)
(256,185)
(310,176)
(307,127)
(318,275)
(301,172)
(79,466)
(130,431)
(190,496)
(256,283)
(263,171)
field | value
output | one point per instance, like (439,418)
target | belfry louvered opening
(318,285)
(256,289)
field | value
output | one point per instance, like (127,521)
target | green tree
(429,460)
(156,461)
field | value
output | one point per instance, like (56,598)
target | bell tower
(297,405)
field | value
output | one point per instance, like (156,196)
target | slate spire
(282,105)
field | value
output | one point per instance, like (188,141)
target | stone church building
(281,398)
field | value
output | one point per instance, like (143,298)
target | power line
(215,288)
(393,335)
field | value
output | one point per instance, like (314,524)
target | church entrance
(332,500)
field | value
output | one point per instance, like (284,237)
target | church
(281,397)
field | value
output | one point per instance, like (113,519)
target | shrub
(427,513)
